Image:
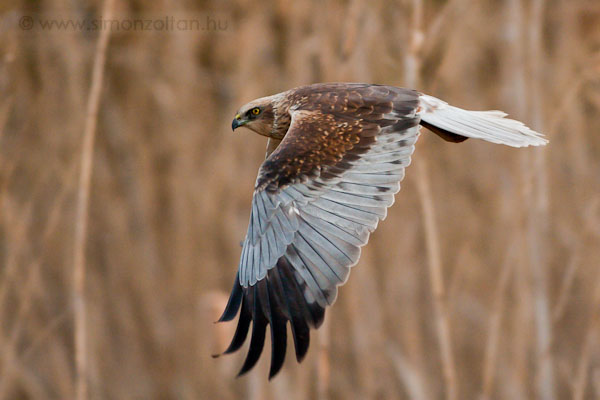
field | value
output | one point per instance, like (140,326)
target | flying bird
(335,157)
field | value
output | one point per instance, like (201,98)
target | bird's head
(257,115)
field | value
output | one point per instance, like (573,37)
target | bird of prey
(335,157)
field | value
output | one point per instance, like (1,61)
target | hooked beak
(237,122)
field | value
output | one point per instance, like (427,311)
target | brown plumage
(335,158)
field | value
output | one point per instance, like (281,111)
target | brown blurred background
(518,230)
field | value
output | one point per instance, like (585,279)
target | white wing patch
(486,125)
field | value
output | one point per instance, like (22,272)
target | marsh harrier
(335,158)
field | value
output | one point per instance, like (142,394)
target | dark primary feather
(336,170)
(273,301)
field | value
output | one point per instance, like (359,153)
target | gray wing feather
(313,291)
(320,225)
(352,233)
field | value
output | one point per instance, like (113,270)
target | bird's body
(336,157)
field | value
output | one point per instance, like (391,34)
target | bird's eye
(255,111)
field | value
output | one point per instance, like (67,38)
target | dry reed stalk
(591,336)
(490,360)
(302,383)
(412,61)
(434,264)
(42,336)
(323,365)
(412,70)
(437,29)
(520,323)
(537,221)
(11,358)
(20,223)
(27,291)
(407,374)
(255,389)
(567,283)
(83,195)
(583,365)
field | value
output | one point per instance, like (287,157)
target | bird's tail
(455,124)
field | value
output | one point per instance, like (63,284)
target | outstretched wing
(318,197)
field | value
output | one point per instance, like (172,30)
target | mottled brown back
(339,122)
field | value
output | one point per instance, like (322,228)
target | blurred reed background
(482,283)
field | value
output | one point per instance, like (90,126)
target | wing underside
(308,222)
